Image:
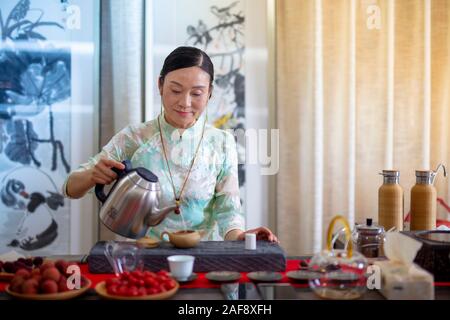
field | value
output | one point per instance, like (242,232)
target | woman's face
(185,93)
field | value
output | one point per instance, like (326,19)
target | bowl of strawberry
(138,285)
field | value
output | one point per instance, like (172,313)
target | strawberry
(112,289)
(150,282)
(162,273)
(142,291)
(122,290)
(112,281)
(152,291)
(132,291)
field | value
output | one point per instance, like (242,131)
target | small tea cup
(181,266)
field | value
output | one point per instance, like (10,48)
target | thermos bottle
(423,200)
(390,201)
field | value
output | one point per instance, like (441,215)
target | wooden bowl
(51,296)
(6,276)
(147,242)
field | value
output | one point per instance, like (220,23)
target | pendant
(177,203)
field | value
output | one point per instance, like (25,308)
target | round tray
(265,276)
(223,276)
(100,288)
(191,278)
(302,275)
(440,236)
(51,296)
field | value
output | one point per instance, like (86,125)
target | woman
(196,163)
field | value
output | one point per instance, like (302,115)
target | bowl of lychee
(49,281)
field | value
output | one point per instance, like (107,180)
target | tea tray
(209,256)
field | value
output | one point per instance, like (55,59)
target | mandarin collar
(173,133)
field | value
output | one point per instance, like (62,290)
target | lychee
(49,286)
(37,277)
(35,271)
(48,264)
(16,284)
(62,265)
(37,261)
(29,262)
(62,284)
(9,267)
(51,273)
(20,265)
(23,273)
(30,286)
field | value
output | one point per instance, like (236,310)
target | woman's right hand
(101,173)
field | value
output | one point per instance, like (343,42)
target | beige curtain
(362,86)
(122,70)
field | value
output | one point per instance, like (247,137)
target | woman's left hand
(262,233)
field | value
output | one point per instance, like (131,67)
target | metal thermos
(423,200)
(390,201)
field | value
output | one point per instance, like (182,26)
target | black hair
(186,57)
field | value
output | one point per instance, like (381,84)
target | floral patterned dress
(211,200)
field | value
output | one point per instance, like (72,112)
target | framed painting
(47,108)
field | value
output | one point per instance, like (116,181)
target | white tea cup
(181,266)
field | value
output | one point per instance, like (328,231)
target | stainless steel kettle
(132,204)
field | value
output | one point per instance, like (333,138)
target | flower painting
(35,87)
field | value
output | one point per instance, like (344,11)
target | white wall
(84,121)
(257,107)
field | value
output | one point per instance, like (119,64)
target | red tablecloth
(202,282)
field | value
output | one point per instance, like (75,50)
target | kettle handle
(99,188)
(347,234)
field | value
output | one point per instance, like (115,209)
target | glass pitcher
(123,256)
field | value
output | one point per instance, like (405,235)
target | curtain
(122,71)
(362,86)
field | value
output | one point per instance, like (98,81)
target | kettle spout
(158,215)
(434,173)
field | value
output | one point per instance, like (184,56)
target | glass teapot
(369,239)
(342,273)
